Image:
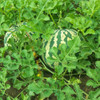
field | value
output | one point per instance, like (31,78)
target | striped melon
(12,34)
(59,37)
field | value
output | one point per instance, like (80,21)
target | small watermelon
(12,34)
(59,37)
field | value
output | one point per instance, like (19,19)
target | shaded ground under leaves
(14,92)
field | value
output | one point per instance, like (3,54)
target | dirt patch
(13,92)
(83,86)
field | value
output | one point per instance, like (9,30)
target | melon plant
(60,36)
(71,59)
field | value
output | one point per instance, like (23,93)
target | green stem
(65,79)
(21,92)
(19,16)
(60,19)
(52,19)
(45,68)
(48,70)
(85,93)
(64,72)
(75,74)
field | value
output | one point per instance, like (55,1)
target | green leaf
(24,97)
(46,18)
(5,27)
(51,81)
(31,93)
(55,57)
(69,58)
(99,39)
(69,19)
(54,11)
(54,50)
(97,54)
(16,56)
(8,98)
(19,4)
(27,15)
(60,96)
(98,64)
(7,86)
(94,94)
(15,99)
(33,5)
(89,31)
(2,51)
(68,90)
(92,73)
(59,69)
(42,9)
(46,94)
(18,84)
(73,45)
(92,83)
(35,87)
(1,98)
(70,66)
(27,72)
(78,92)
(2,19)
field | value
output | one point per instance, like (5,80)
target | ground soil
(14,92)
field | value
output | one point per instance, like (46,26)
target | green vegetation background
(18,68)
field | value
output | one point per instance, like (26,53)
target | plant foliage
(21,70)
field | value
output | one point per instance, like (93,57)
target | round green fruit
(60,37)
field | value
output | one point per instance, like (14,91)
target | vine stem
(19,15)
(64,72)
(45,68)
(85,93)
(28,36)
(75,74)
(21,92)
(52,18)
(60,19)
(65,80)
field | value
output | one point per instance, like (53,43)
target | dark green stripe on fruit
(59,38)
(51,44)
